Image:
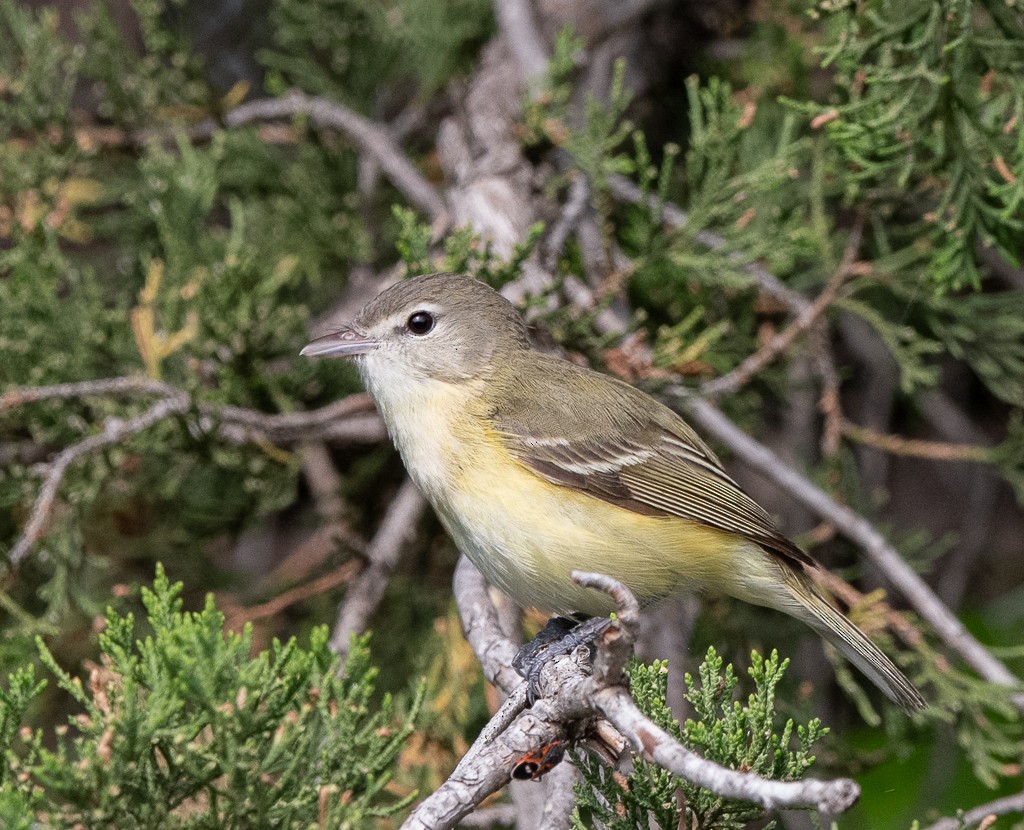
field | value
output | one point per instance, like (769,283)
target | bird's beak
(346,342)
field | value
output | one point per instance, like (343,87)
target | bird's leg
(561,636)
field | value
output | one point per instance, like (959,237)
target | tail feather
(854,644)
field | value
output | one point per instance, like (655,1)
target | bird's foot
(561,636)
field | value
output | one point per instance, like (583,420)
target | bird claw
(561,636)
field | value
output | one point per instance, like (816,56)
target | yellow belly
(527,535)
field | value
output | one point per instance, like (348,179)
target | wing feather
(660,473)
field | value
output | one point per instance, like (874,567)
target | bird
(537,467)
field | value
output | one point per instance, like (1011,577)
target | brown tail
(854,644)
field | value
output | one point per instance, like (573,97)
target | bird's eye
(421,322)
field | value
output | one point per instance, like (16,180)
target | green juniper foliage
(184,728)
(739,736)
(464,251)
(926,118)
(350,51)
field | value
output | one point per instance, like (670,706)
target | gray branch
(366,591)
(979,815)
(859,530)
(571,700)
(653,743)
(114,432)
(370,137)
(351,419)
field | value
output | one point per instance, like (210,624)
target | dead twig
(324,481)
(371,138)
(114,432)
(286,426)
(367,590)
(576,203)
(728,384)
(983,816)
(368,136)
(127,385)
(271,608)
(917,448)
(350,419)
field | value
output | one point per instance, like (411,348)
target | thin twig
(324,481)
(280,426)
(729,383)
(114,431)
(655,744)
(371,138)
(352,419)
(310,555)
(859,530)
(917,448)
(127,385)
(576,203)
(405,123)
(367,135)
(999,807)
(367,590)
(347,419)
(271,608)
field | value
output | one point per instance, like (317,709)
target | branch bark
(367,590)
(369,136)
(351,420)
(571,699)
(114,432)
(983,815)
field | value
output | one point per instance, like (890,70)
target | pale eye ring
(420,323)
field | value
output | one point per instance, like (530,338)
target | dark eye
(420,323)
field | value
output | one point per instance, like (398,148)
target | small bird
(537,467)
